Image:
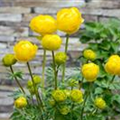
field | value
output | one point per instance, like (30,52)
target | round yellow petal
(51,42)
(113,65)
(90,71)
(76,95)
(20,102)
(89,54)
(43,24)
(59,95)
(100,103)
(69,20)
(25,51)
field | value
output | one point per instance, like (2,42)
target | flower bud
(90,71)
(52,102)
(113,65)
(60,58)
(29,83)
(64,110)
(100,103)
(59,95)
(89,54)
(76,96)
(8,60)
(20,102)
(67,92)
(36,79)
(72,82)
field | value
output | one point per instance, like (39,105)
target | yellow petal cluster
(51,42)
(100,103)
(8,60)
(113,65)
(89,54)
(69,20)
(20,102)
(76,96)
(43,24)
(59,95)
(60,58)
(25,51)
(90,71)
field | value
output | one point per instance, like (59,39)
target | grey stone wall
(14,20)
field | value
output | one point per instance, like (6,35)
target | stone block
(13,31)
(10,17)
(14,10)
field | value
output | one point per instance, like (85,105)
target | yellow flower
(100,103)
(76,96)
(69,20)
(51,42)
(90,71)
(113,65)
(89,54)
(20,102)
(43,24)
(25,51)
(8,60)
(60,58)
(64,110)
(59,95)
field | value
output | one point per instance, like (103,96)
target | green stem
(111,81)
(64,65)
(80,83)
(43,68)
(17,81)
(36,91)
(85,100)
(55,71)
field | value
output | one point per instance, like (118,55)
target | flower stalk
(85,100)
(39,100)
(64,65)
(43,68)
(17,81)
(55,71)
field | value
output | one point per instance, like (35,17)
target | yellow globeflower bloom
(8,60)
(25,51)
(51,42)
(89,54)
(100,103)
(76,95)
(90,71)
(69,20)
(43,24)
(113,65)
(59,95)
(20,102)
